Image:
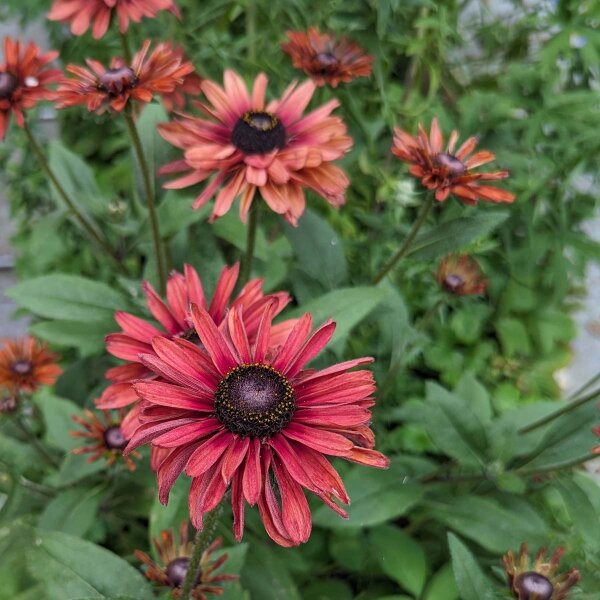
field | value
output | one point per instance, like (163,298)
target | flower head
(106,438)
(540,580)
(246,145)
(174,562)
(236,414)
(325,59)
(190,86)
(448,171)
(25,365)
(24,80)
(9,402)
(82,14)
(97,87)
(461,275)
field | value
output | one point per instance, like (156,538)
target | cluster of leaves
(458,378)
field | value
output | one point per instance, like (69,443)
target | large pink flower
(235,415)
(247,145)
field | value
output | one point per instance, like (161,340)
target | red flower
(446,171)
(98,13)
(24,80)
(234,413)
(25,365)
(461,275)
(191,86)
(160,73)
(247,145)
(325,59)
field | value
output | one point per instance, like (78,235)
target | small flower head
(446,170)
(98,87)
(106,438)
(247,145)
(25,365)
(24,80)
(97,14)
(174,560)
(325,59)
(539,581)
(9,402)
(461,275)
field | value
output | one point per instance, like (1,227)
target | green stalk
(251,29)
(246,267)
(31,437)
(126,48)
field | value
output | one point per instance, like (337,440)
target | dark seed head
(453,282)
(114,438)
(177,570)
(190,335)
(455,167)
(22,367)
(533,586)
(328,61)
(258,133)
(8,84)
(255,401)
(116,81)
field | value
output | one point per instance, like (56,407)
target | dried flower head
(449,171)
(81,14)
(326,59)
(174,563)
(246,145)
(24,80)
(106,437)
(461,275)
(539,581)
(25,365)
(98,88)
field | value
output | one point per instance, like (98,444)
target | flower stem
(150,199)
(408,240)
(204,537)
(125,47)
(246,268)
(31,437)
(251,29)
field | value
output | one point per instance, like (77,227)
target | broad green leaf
(513,337)
(76,467)
(86,336)
(58,414)
(442,586)
(176,213)
(327,589)
(472,583)
(475,395)
(236,558)
(170,515)
(16,455)
(581,511)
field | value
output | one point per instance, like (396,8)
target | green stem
(408,240)
(251,29)
(569,406)
(560,467)
(31,437)
(246,267)
(203,540)
(586,386)
(150,199)
(125,47)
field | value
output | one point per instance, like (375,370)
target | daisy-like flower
(539,581)
(25,365)
(461,275)
(236,415)
(449,171)
(81,14)
(99,88)
(247,145)
(175,560)
(326,59)
(106,438)
(24,80)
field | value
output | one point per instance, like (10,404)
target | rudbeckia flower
(461,275)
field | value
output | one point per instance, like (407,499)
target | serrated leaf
(472,583)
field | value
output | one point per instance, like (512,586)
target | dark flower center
(190,335)
(533,586)
(258,133)
(116,81)
(8,84)
(455,167)
(328,61)
(22,367)
(254,400)
(453,282)
(114,438)
(177,570)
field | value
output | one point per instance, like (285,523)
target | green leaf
(58,413)
(476,396)
(18,456)
(170,515)
(581,511)
(401,557)
(442,586)
(74,468)
(176,213)
(472,583)
(513,337)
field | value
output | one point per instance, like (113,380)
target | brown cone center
(327,60)
(453,282)
(533,586)
(114,438)
(454,166)
(116,81)
(22,367)
(258,132)
(8,84)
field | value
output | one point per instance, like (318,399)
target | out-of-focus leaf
(472,583)
(327,589)
(442,586)
(58,414)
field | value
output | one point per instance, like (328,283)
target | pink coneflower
(247,146)
(190,86)
(82,14)
(235,415)
(98,87)
(24,80)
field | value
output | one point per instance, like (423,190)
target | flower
(107,439)
(461,275)
(97,87)
(190,86)
(9,402)
(246,145)
(25,365)
(325,59)
(449,172)
(236,414)
(540,581)
(174,318)
(175,560)
(98,13)
(24,80)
